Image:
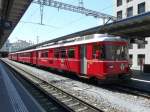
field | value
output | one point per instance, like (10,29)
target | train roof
(78,40)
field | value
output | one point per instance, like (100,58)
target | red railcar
(95,56)
(25,57)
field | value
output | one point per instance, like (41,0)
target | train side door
(31,57)
(83,59)
(36,55)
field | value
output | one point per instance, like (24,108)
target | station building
(139,54)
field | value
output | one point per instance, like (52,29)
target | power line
(77,9)
(39,24)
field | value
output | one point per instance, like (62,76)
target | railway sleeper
(73,104)
(80,108)
(67,100)
(53,92)
(45,86)
(61,97)
(57,94)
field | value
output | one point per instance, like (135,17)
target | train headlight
(122,66)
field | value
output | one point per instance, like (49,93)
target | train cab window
(63,53)
(98,52)
(71,53)
(116,52)
(56,53)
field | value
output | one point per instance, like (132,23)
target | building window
(141,59)
(129,11)
(130,46)
(119,2)
(131,59)
(141,8)
(129,1)
(71,53)
(119,15)
(141,46)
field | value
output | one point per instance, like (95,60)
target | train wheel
(101,82)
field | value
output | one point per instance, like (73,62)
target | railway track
(133,90)
(64,99)
(48,104)
(129,90)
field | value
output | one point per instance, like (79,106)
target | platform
(13,96)
(141,75)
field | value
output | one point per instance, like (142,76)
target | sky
(56,22)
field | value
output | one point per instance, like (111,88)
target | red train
(94,56)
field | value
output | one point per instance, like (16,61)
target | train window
(56,53)
(24,55)
(63,53)
(98,52)
(71,53)
(44,54)
(116,52)
(27,54)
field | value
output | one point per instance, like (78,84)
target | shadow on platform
(141,75)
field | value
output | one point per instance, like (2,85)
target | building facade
(19,44)
(6,46)
(138,53)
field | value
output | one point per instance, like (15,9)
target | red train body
(95,56)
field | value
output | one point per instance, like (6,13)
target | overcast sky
(58,22)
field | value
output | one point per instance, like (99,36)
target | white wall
(133,3)
(135,51)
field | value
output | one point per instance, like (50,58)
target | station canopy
(11,13)
(132,27)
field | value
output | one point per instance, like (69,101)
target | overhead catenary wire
(73,8)
(30,22)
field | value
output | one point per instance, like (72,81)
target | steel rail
(127,89)
(132,90)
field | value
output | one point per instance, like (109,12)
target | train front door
(83,59)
